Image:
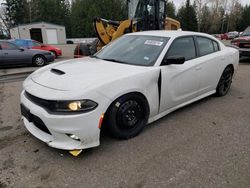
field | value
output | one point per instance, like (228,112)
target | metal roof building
(44,32)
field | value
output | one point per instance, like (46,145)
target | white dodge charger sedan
(133,81)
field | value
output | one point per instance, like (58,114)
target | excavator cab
(147,14)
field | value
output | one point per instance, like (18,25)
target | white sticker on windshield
(153,42)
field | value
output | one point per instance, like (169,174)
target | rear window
(205,46)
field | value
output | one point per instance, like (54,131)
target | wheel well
(131,93)
(231,66)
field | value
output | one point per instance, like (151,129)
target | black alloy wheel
(127,116)
(225,81)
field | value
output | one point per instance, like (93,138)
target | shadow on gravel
(245,60)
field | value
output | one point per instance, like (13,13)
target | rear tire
(39,60)
(127,116)
(225,82)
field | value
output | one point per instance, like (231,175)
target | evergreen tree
(84,11)
(170,9)
(243,23)
(16,12)
(187,17)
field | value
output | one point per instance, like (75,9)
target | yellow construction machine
(143,15)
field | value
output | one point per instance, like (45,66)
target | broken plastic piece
(75,153)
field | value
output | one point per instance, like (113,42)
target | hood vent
(56,71)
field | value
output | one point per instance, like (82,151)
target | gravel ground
(206,144)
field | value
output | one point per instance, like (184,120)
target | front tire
(225,82)
(127,116)
(39,60)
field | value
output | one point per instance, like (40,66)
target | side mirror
(173,60)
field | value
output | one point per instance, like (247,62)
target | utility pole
(29,2)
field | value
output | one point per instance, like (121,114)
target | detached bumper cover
(54,129)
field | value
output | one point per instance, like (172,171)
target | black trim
(34,119)
(159,90)
(51,105)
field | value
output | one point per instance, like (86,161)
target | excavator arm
(109,30)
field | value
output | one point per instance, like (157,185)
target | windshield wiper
(113,60)
(94,56)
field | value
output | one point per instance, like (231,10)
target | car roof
(171,34)
(23,39)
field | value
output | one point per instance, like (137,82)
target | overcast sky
(178,3)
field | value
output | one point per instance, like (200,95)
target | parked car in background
(12,54)
(232,35)
(32,44)
(224,36)
(243,42)
(135,80)
(86,48)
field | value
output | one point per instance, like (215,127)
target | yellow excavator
(143,15)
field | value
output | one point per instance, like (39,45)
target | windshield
(134,50)
(246,32)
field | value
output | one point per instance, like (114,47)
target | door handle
(6,53)
(197,68)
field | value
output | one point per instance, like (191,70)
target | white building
(44,32)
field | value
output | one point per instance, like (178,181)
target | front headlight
(74,106)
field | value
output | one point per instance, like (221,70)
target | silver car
(12,55)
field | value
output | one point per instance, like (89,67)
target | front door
(180,83)
(13,54)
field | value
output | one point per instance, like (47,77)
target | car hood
(83,73)
(242,39)
(38,51)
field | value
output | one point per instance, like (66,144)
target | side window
(30,44)
(8,46)
(183,47)
(35,43)
(216,46)
(205,46)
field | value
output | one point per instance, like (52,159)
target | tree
(243,23)
(170,9)
(16,12)
(83,13)
(187,17)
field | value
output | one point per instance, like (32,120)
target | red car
(32,44)
(224,36)
(243,42)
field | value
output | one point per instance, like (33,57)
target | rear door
(212,62)
(13,54)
